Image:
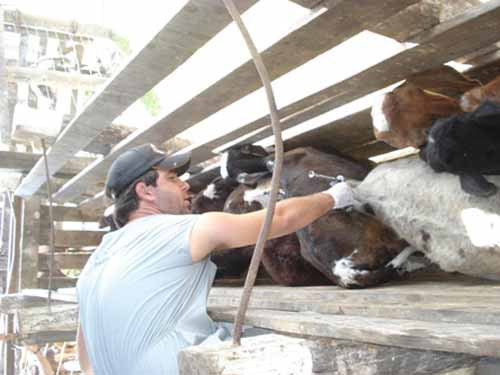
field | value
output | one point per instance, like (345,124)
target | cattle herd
(455,124)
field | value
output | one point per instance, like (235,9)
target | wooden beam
(192,27)
(54,78)
(73,238)
(29,243)
(324,31)
(57,282)
(475,339)
(279,355)
(14,256)
(476,28)
(22,162)
(41,322)
(63,261)
(62,213)
(11,303)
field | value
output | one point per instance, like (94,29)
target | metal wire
(275,123)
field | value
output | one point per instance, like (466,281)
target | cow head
(245,164)
(402,117)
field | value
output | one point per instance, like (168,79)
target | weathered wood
(475,339)
(277,354)
(65,261)
(14,257)
(39,322)
(474,29)
(11,303)
(323,32)
(64,213)
(54,78)
(23,162)
(73,238)
(421,16)
(173,45)
(29,243)
(56,296)
(57,282)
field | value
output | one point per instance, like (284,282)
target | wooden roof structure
(328,25)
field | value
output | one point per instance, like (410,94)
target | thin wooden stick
(278,162)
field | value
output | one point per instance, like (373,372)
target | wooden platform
(442,312)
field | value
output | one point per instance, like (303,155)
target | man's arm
(218,230)
(83,357)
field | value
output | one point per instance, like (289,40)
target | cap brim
(179,163)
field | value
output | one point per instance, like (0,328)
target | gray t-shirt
(142,299)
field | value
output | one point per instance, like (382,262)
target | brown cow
(489,92)
(402,117)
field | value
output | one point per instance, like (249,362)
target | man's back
(142,299)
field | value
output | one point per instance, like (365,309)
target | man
(143,292)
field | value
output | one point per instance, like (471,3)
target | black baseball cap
(133,163)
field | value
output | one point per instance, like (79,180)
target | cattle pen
(433,322)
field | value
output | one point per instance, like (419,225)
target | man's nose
(185,186)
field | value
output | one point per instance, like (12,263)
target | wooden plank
(323,32)
(11,303)
(29,243)
(442,43)
(283,355)
(22,162)
(57,282)
(73,238)
(339,135)
(474,29)
(63,213)
(54,78)
(194,25)
(65,261)
(14,256)
(475,339)
(56,296)
(445,312)
(39,322)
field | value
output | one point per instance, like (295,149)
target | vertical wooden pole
(30,239)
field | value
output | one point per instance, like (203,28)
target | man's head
(147,176)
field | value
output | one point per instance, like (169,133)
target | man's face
(172,194)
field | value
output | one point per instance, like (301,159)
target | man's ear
(144,191)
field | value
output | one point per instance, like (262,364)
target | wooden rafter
(171,47)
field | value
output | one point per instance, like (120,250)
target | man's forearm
(298,212)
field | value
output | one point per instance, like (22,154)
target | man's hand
(342,195)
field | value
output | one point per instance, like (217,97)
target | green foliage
(152,103)
(122,43)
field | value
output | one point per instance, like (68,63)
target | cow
(467,145)
(351,249)
(402,117)
(281,259)
(489,92)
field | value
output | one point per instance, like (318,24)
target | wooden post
(29,243)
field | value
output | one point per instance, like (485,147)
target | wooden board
(323,32)
(63,213)
(41,324)
(474,29)
(73,238)
(11,303)
(29,243)
(476,339)
(75,260)
(281,355)
(23,162)
(195,24)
